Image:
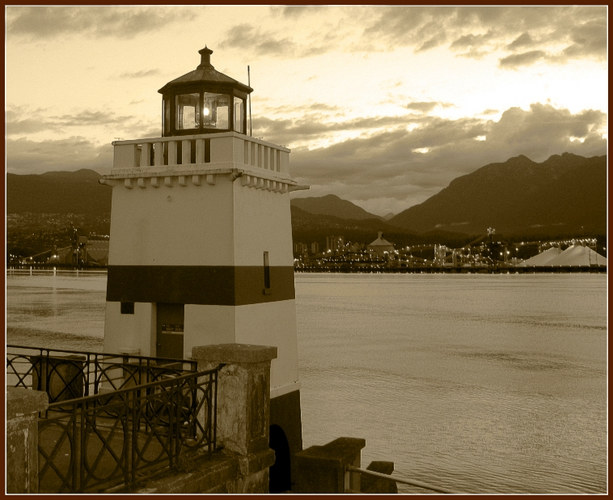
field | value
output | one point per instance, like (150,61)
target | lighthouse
(200,245)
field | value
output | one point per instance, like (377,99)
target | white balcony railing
(214,150)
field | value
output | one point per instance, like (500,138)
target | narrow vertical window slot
(266,274)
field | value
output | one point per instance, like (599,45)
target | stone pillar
(22,407)
(323,469)
(243,408)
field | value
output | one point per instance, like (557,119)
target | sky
(381,105)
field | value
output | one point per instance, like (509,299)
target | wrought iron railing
(68,374)
(120,438)
(114,419)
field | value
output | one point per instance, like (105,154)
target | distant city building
(380,246)
(97,250)
(300,248)
(335,243)
(86,251)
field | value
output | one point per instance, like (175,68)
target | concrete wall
(262,222)
(176,225)
(224,223)
(272,324)
(22,407)
(130,333)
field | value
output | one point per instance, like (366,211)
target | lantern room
(204,101)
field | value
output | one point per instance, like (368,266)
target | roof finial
(205,61)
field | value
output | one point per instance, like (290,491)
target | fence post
(323,469)
(22,408)
(243,408)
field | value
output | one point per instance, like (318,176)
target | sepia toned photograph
(306,249)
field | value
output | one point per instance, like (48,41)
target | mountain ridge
(565,192)
(57,192)
(332,204)
(563,196)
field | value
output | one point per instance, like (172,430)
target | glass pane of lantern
(216,111)
(239,115)
(187,116)
(166,116)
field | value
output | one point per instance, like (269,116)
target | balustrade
(200,150)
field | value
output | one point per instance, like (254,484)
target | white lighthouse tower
(201,242)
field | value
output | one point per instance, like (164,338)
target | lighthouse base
(285,440)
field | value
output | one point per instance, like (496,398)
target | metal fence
(68,374)
(114,420)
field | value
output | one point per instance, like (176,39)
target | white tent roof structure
(573,256)
(543,258)
(578,255)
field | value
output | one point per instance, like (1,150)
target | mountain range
(562,196)
(76,192)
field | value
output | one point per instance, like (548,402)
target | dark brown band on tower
(205,285)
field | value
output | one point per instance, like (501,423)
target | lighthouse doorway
(169,330)
(280,479)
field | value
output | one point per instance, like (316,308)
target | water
(474,383)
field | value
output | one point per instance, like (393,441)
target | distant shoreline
(459,270)
(50,271)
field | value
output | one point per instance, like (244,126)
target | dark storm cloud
(104,21)
(35,157)
(388,163)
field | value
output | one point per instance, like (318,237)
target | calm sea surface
(475,383)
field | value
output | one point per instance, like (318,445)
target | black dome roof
(204,74)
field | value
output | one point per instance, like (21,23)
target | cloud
(25,156)
(99,21)
(480,30)
(523,59)
(245,36)
(521,41)
(140,74)
(39,121)
(422,107)
(587,39)
(470,40)
(293,11)
(385,166)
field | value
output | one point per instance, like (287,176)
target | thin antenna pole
(249,96)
